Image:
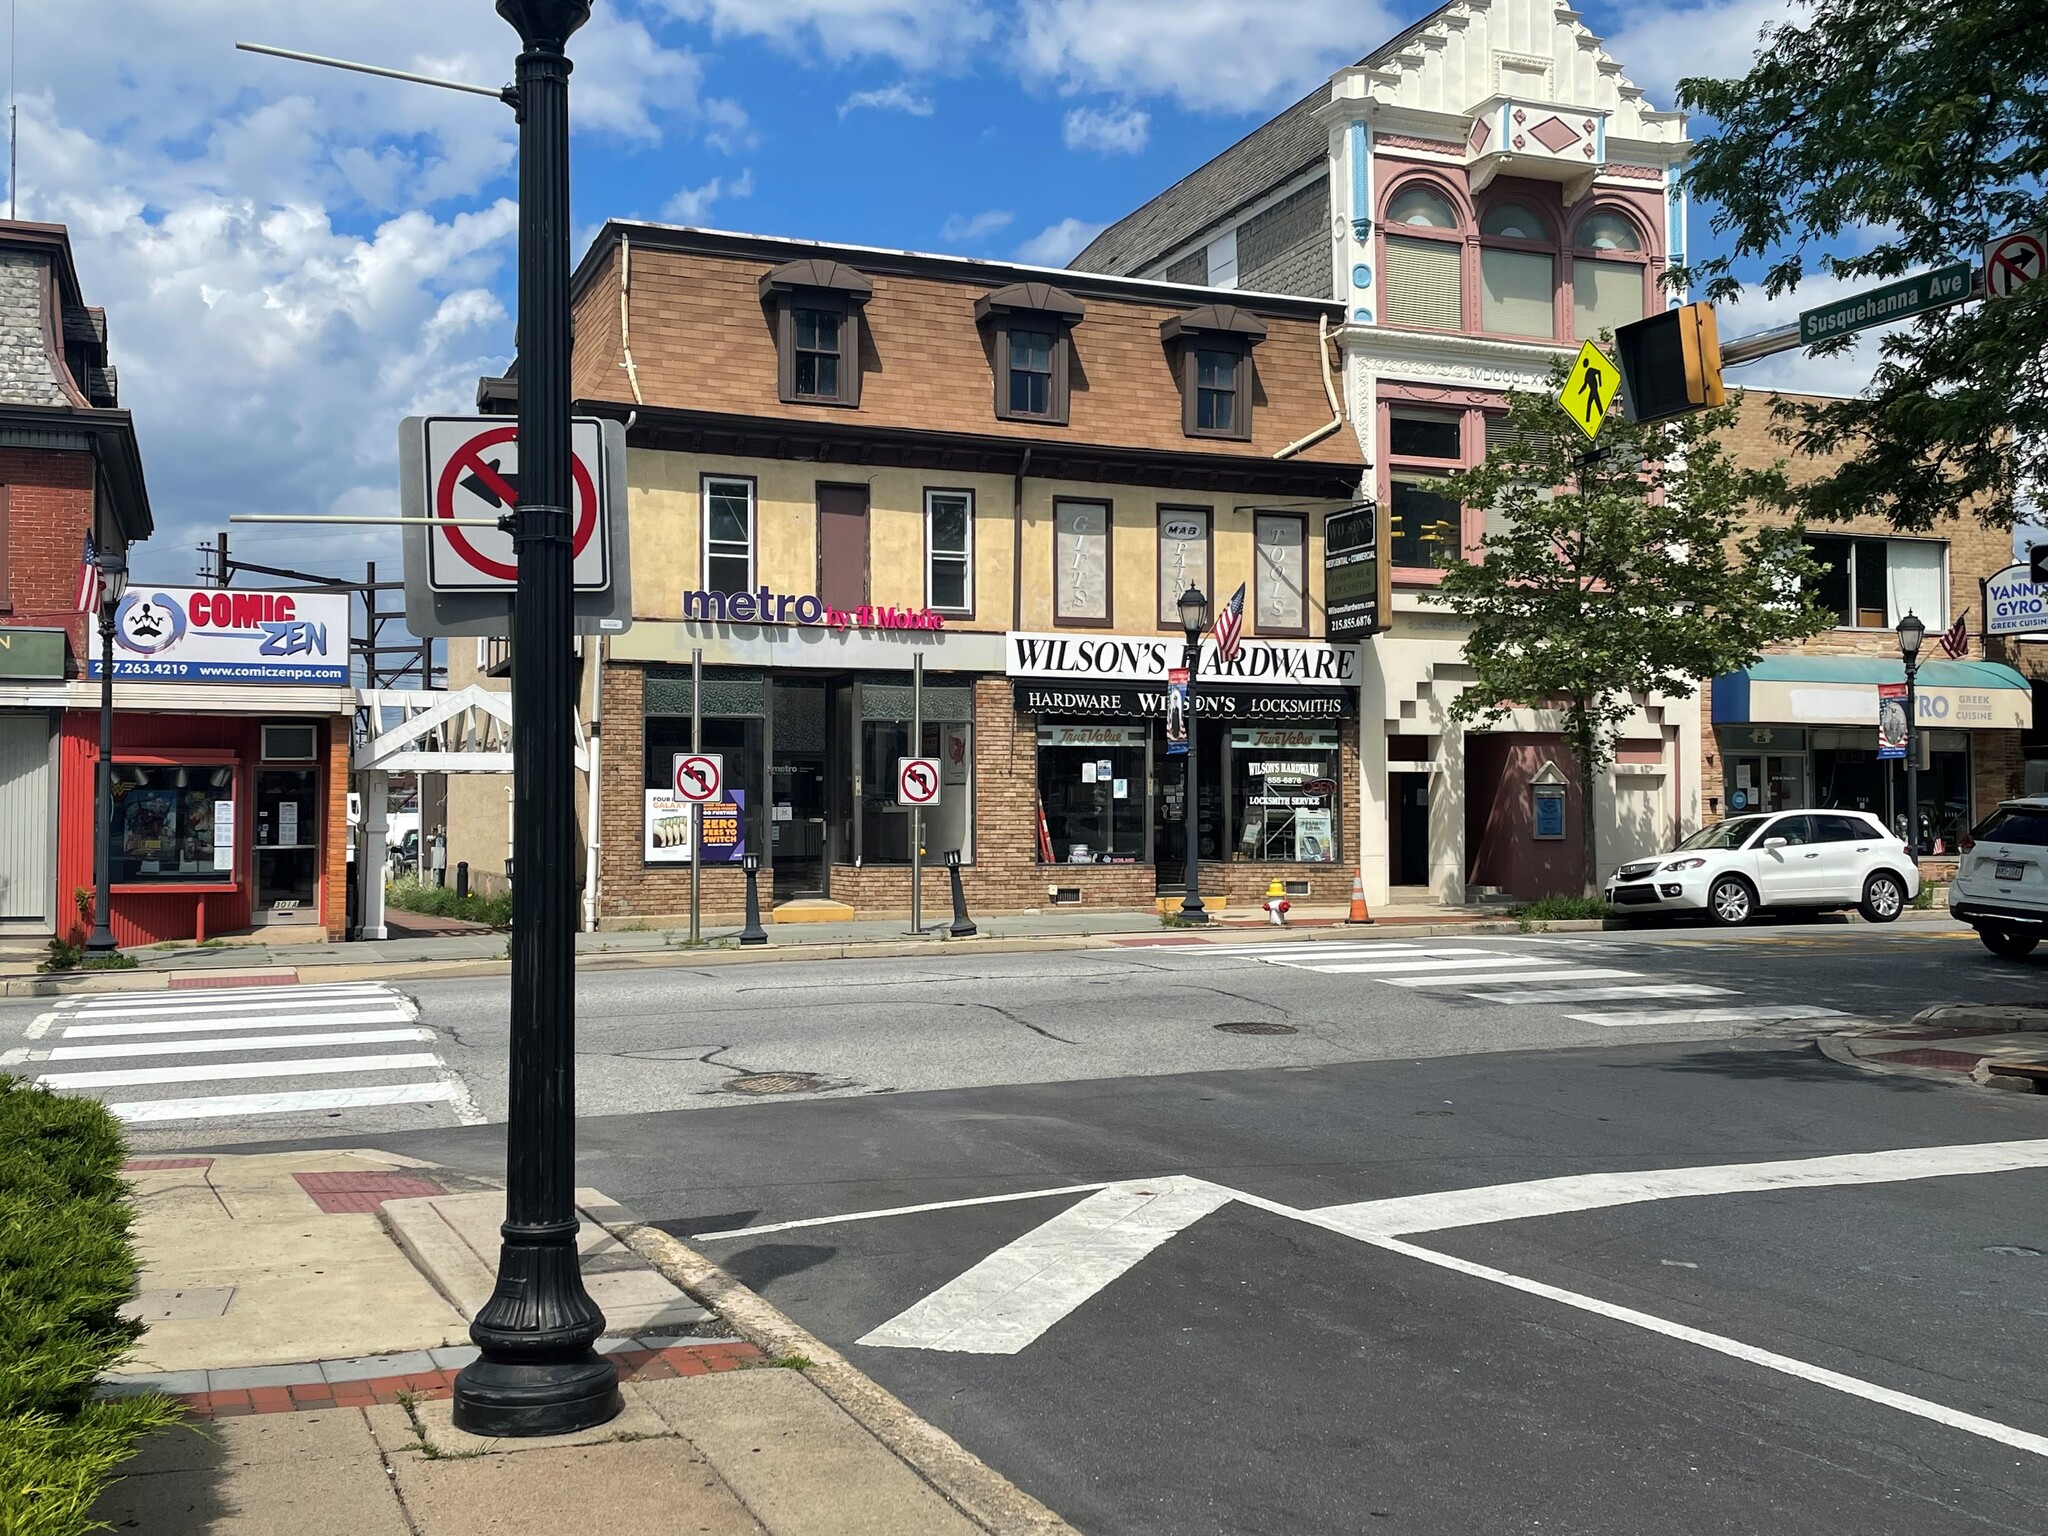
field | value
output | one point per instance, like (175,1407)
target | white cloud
(1846,374)
(1108,130)
(1207,55)
(965,229)
(1057,244)
(918,34)
(1661,44)
(293,258)
(888,98)
(727,127)
(691,204)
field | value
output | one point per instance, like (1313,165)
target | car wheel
(1884,897)
(2008,945)
(1731,902)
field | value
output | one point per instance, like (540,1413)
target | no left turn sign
(472,468)
(2013,261)
(917,781)
(700,776)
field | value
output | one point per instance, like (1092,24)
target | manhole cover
(774,1082)
(1257,1027)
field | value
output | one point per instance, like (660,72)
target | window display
(1091,794)
(1284,795)
(166,822)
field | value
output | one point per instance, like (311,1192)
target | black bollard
(753,933)
(462,877)
(963,927)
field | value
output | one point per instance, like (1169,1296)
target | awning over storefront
(1842,690)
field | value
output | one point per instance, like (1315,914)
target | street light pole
(113,583)
(1194,619)
(538,1374)
(1911,632)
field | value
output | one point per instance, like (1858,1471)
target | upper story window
(1032,349)
(728,534)
(1280,573)
(1609,274)
(1217,380)
(1517,272)
(1874,583)
(1080,562)
(816,309)
(1185,558)
(1423,524)
(1423,262)
(949,551)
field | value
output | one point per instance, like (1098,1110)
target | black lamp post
(1911,633)
(113,584)
(1194,619)
(538,1374)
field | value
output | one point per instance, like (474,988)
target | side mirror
(1774,842)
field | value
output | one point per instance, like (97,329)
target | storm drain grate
(1258,1027)
(774,1082)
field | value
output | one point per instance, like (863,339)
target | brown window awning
(1215,320)
(817,274)
(1030,298)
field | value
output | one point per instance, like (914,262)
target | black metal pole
(753,933)
(963,925)
(1191,908)
(538,1374)
(102,940)
(1912,758)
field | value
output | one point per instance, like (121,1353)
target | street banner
(1176,711)
(1891,720)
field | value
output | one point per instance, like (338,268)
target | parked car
(2001,884)
(1738,867)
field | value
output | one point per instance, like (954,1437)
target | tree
(1906,133)
(1643,571)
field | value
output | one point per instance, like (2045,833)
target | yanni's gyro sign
(2014,603)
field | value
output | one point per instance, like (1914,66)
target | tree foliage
(1642,572)
(1873,139)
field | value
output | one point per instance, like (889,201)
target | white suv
(1737,867)
(2001,885)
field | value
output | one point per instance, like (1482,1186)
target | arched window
(1609,273)
(1517,272)
(1421,268)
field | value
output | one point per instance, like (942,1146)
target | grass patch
(66,1266)
(1562,909)
(788,1362)
(408,895)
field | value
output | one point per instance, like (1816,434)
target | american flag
(89,577)
(1229,624)
(1955,640)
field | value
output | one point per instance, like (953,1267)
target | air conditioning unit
(291,742)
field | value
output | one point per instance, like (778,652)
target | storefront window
(174,825)
(1283,795)
(1091,794)
(947,712)
(1848,775)
(733,726)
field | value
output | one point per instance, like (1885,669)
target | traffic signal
(1670,363)
(2037,564)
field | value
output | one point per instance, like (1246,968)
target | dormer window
(815,307)
(1214,364)
(1031,335)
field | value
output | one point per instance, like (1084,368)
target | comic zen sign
(227,635)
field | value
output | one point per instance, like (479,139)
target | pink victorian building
(1482,192)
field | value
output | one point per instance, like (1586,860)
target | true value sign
(460,474)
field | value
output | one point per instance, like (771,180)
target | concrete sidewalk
(1993,1045)
(310,1308)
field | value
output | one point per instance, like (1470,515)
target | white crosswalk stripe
(1520,973)
(300,1037)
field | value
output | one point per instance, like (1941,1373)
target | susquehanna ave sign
(1147,658)
(1881,306)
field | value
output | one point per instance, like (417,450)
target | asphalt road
(1319,1281)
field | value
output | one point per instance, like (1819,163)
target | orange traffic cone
(1359,914)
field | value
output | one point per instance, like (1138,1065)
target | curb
(963,1479)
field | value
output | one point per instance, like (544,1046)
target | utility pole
(538,1374)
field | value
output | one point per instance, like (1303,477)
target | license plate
(2010,871)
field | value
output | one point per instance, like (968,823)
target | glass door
(287,842)
(797,800)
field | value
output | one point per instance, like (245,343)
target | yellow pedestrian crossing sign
(1588,393)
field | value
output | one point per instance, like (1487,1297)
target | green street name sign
(31,655)
(1881,306)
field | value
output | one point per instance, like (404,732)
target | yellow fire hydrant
(1276,906)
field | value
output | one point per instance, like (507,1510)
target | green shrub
(66,1267)
(409,895)
(1564,909)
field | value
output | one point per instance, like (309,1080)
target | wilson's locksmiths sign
(208,635)
(1125,677)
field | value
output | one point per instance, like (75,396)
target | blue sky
(293,258)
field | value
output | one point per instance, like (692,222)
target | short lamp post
(1911,633)
(1194,620)
(113,586)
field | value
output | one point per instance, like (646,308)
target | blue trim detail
(1361,276)
(1361,179)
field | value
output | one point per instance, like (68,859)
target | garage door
(27,813)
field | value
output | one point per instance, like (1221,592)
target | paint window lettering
(1080,537)
(1183,558)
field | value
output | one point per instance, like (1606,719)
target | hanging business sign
(1352,603)
(228,635)
(1891,720)
(2014,603)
